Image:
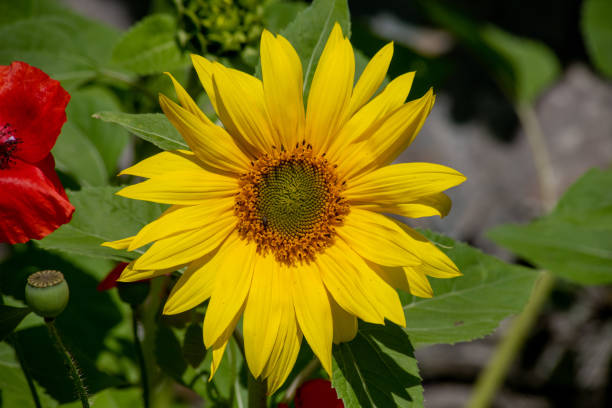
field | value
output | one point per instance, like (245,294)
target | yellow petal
(204,68)
(394,276)
(231,288)
(288,340)
(350,281)
(263,312)
(241,105)
(187,102)
(129,274)
(401,183)
(433,205)
(376,238)
(313,311)
(183,188)
(330,91)
(218,349)
(400,129)
(418,283)
(390,137)
(282,81)
(195,285)
(434,262)
(165,162)
(194,217)
(363,123)
(371,78)
(345,324)
(211,143)
(184,247)
(356,287)
(123,243)
(217,356)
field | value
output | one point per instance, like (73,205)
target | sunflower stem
(74,374)
(257,392)
(494,374)
(144,379)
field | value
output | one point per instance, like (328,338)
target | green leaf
(377,369)
(277,15)
(111,398)
(68,47)
(48,369)
(152,127)
(168,353)
(194,350)
(13,10)
(523,67)
(14,389)
(10,317)
(38,41)
(534,65)
(573,241)
(101,216)
(469,306)
(87,149)
(597,33)
(309,31)
(149,47)
(89,310)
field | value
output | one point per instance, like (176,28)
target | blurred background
(498,68)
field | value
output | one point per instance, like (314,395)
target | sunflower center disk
(289,204)
(291,197)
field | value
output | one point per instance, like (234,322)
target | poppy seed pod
(47,293)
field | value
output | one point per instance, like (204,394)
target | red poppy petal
(33,202)
(34,106)
(110,281)
(317,393)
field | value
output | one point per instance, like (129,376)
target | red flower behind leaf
(33,202)
(317,393)
(110,281)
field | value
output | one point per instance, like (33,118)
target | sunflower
(278,216)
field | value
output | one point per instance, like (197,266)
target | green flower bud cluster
(222,27)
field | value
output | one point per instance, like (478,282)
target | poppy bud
(47,293)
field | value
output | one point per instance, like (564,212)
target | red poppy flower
(317,393)
(110,281)
(33,202)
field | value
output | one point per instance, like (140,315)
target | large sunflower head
(278,216)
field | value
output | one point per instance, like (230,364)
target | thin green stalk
(144,378)
(26,371)
(257,392)
(494,374)
(299,379)
(539,151)
(70,362)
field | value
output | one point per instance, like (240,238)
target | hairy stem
(144,378)
(70,362)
